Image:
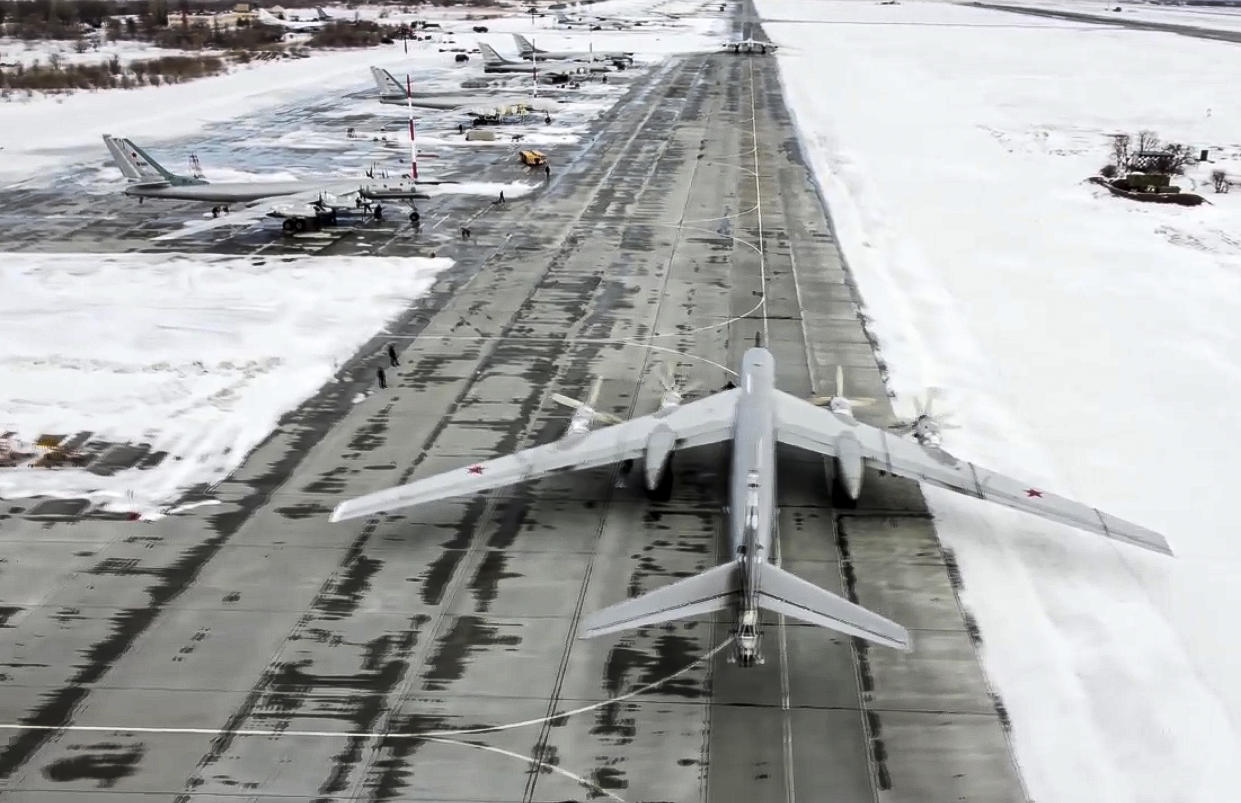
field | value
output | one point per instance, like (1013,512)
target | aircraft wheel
(299,224)
(287,225)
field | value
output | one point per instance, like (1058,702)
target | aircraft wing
(801,424)
(698,423)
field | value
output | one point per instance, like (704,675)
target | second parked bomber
(391,91)
(528,51)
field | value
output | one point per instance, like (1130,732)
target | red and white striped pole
(413,142)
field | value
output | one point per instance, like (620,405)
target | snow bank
(1085,342)
(197,355)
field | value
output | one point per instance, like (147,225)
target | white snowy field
(197,355)
(17,51)
(1087,343)
(1219,18)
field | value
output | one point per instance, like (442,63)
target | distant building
(225,20)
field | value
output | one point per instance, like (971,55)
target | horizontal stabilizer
(710,591)
(781,592)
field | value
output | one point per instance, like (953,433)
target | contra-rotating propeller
(675,389)
(839,402)
(927,426)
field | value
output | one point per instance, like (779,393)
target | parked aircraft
(750,45)
(267,18)
(528,51)
(494,62)
(755,416)
(391,92)
(302,204)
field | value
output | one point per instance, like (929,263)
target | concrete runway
(273,656)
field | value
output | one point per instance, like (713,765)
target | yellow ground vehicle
(533,158)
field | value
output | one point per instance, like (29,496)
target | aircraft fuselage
(223,192)
(752,490)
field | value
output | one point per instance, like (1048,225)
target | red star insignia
(1034,492)
(475,469)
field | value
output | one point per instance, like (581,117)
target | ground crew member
(378,212)
(392,355)
(383,378)
(501,196)
(460,128)
(548,119)
(548,169)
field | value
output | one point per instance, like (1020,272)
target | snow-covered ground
(197,355)
(1085,342)
(17,51)
(1221,18)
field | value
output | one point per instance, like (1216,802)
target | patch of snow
(197,355)
(1085,342)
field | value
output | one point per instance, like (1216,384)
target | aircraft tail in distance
(388,86)
(524,46)
(490,55)
(136,164)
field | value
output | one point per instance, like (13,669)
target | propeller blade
(566,401)
(608,418)
(667,380)
(840,380)
(594,391)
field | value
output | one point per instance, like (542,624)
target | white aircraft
(267,18)
(300,205)
(529,52)
(755,416)
(391,92)
(750,45)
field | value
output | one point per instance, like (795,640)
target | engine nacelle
(849,466)
(659,446)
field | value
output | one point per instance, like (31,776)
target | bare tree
(1147,141)
(1120,151)
(1179,157)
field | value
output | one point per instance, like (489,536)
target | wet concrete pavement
(276,656)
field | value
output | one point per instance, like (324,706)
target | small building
(225,20)
(1152,162)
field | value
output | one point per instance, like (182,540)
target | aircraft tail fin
(782,592)
(149,168)
(713,590)
(134,162)
(524,45)
(490,56)
(129,169)
(322,15)
(388,86)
